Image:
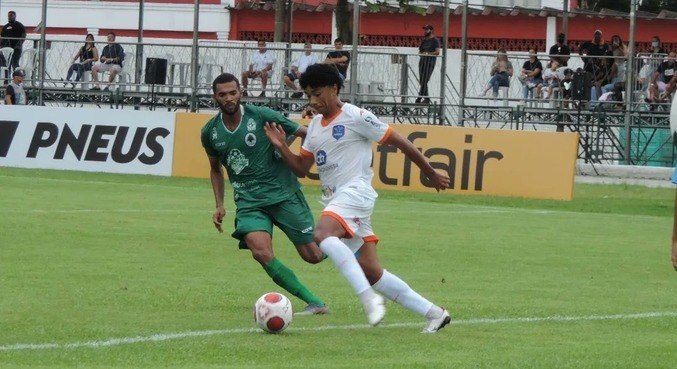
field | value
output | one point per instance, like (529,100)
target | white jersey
(341,146)
(260,61)
(304,61)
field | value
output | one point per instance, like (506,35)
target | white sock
(392,287)
(345,261)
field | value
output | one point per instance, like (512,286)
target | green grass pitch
(121,271)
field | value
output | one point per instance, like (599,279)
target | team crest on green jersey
(250,139)
(251,125)
(237,161)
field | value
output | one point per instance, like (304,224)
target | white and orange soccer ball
(273,312)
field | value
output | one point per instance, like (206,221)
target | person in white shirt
(339,141)
(261,66)
(299,67)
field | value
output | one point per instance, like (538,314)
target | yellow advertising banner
(479,161)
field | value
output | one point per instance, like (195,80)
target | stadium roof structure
(431,7)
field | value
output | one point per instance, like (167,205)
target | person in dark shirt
(339,58)
(428,51)
(560,50)
(13,34)
(110,61)
(84,59)
(664,80)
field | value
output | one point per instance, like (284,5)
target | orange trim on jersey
(386,136)
(341,221)
(327,120)
(306,153)
(373,238)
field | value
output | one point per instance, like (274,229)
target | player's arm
(216,177)
(439,179)
(299,164)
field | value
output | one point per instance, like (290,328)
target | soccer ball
(272,312)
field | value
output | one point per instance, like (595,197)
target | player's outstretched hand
(276,134)
(441,180)
(674,254)
(217,218)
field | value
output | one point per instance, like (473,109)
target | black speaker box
(156,71)
(581,86)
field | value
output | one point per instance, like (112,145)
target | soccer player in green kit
(265,190)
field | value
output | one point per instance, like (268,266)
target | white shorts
(102,67)
(352,208)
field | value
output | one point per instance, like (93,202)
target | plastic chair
(6,53)
(27,63)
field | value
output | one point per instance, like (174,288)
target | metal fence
(386,81)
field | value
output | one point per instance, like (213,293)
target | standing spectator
(664,80)
(86,56)
(531,75)
(560,50)
(111,59)
(593,62)
(428,51)
(13,34)
(14,92)
(299,67)
(339,58)
(501,71)
(261,67)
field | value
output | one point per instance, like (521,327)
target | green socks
(285,278)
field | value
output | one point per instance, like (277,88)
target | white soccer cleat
(435,324)
(375,309)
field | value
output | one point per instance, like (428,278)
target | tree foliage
(653,6)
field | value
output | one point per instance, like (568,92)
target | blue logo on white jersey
(321,158)
(338,131)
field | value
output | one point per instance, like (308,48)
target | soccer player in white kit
(339,142)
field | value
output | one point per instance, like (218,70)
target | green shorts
(292,216)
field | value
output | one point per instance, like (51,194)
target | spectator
(657,46)
(531,75)
(616,73)
(111,60)
(501,72)
(339,58)
(618,47)
(14,92)
(551,77)
(86,56)
(299,67)
(261,66)
(428,51)
(592,51)
(13,34)
(664,80)
(560,50)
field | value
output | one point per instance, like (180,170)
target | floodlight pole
(464,63)
(139,47)
(193,58)
(43,53)
(353,56)
(445,46)
(629,82)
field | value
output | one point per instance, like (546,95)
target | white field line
(180,335)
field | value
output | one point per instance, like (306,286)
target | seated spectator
(261,66)
(645,73)
(501,71)
(664,80)
(299,67)
(86,56)
(551,77)
(14,92)
(110,61)
(339,58)
(616,72)
(567,84)
(531,75)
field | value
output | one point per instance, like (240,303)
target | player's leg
(253,227)
(295,219)
(397,290)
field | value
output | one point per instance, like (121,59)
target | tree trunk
(280,12)
(343,19)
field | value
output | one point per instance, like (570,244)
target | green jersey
(256,171)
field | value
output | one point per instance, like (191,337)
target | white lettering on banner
(96,140)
